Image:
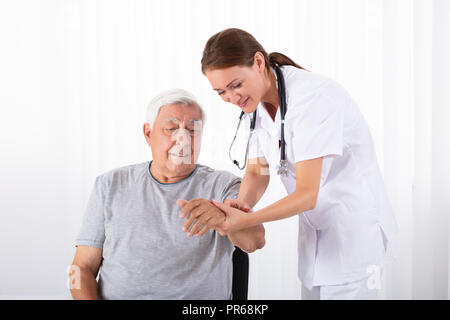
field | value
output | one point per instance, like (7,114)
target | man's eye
(237,86)
(220,92)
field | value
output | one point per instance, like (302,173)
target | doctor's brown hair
(236,47)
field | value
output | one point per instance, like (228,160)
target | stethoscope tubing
(283,109)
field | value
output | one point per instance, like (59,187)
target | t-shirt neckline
(173,183)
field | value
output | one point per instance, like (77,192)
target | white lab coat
(348,231)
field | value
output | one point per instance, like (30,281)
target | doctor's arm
(302,199)
(255,181)
(253,185)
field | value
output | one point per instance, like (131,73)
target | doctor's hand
(201,215)
(236,219)
(234,203)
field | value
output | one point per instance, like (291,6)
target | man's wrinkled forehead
(178,120)
(179,113)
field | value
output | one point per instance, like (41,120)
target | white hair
(172,96)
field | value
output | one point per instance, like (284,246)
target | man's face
(175,139)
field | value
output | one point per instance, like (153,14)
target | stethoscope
(283,167)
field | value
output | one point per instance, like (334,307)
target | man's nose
(182,137)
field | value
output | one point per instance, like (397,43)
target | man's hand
(200,212)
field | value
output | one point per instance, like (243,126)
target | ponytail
(282,60)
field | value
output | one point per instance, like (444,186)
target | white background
(76,76)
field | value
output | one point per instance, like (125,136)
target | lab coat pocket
(306,215)
(325,211)
(319,219)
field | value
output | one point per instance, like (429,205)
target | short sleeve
(92,231)
(231,190)
(254,150)
(318,129)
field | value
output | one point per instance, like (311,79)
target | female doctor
(309,130)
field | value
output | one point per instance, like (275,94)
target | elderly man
(132,232)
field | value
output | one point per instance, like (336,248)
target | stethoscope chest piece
(283,167)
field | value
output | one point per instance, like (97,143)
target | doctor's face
(240,85)
(175,139)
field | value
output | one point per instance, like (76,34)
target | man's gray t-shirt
(146,255)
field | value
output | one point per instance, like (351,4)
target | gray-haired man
(131,235)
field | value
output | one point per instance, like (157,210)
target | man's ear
(147,132)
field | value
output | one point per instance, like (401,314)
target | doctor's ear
(259,63)
(147,132)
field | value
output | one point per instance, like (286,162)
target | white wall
(76,75)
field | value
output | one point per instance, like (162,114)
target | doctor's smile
(243,104)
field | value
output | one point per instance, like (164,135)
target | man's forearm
(249,239)
(88,287)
